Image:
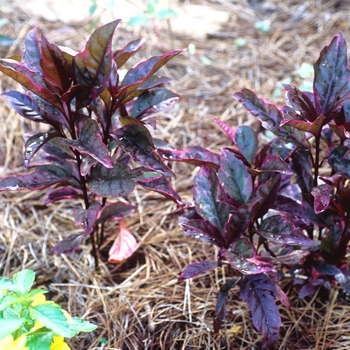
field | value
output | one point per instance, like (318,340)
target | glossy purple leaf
(196,155)
(162,186)
(247,141)
(243,247)
(206,193)
(34,143)
(115,182)
(57,71)
(220,309)
(302,167)
(230,132)
(340,161)
(290,206)
(154,101)
(87,218)
(26,78)
(114,211)
(204,231)
(68,245)
(87,162)
(31,52)
(314,127)
(43,176)
(247,266)
(322,197)
(63,193)
(93,65)
(90,142)
(278,229)
(273,164)
(197,268)
(122,55)
(234,177)
(332,74)
(137,141)
(331,238)
(292,258)
(309,289)
(300,103)
(259,293)
(154,81)
(268,113)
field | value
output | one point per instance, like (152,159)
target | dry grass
(139,304)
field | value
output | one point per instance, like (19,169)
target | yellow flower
(59,344)
(19,344)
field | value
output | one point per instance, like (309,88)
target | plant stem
(317,158)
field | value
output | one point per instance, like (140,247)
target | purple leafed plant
(97,145)
(282,207)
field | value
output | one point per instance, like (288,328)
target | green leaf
(165,13)
(37,291)
(51,316)
(7,326)
(5,284)
(138,20)
(264,26)
(24,280)
(39,340)
(77,325)
(6,40)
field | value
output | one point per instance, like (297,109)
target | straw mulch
(139,304)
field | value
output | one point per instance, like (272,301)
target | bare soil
(139,304)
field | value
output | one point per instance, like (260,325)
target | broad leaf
(10,325)
(234,177)
(197,268)
(124,245)
(247,141)
(339,160)
(302,167)
(331,238)
(314,127)
(40,339)
(68,245)
(23,281)
(43,176)
(206,193)
(114,211)
(332,75)
(122,55)
(273,164)
(278,229)
(259,293)
(31,52)
(92,66)
(87,218)
(322,196)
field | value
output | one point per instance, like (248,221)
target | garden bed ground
(139,304)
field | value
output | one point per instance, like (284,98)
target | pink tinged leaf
(27,79)
(230,132)
(124,245)
(63,193)
(291,258)
(57,71)
(314,127)
(34,143)
(322,196)
(259,293)
(278,229)
(282,296)
(68,245)
(87,163)
(114,211)
(197,268)
(31,52)
(196,155)
(154,81)
(122,55)
(162,186)
(43,176)
(87,218)
(93,65)
(90,142)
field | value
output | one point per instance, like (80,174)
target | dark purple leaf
(93,65)
(331,238)
(154,101)
(278,229)
(154,81)
(87,162)
(58,72)
(291,258)
(63,193)
(87,218)
(234,177)
(204,231)
(122,55)
(322,196)
(300,103)
(247,266)
(54,148)
(43,176)
(332,75)
(268,113)
(206,193)
(137,141)
(68,245)
(302,167)
(90,142)
(290,206)
(115,182)
(340,161)
(31,52)
(309,289)
(196,155)
(34,143)
(26,78)
(114,211)
(243,247)
(259,293)
(220,309)
(273,164)
(162,186)
(314,127)
(247,141)
(197,268)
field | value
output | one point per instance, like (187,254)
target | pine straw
(139,304)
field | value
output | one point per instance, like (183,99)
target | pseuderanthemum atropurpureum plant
(99,144)
(281,207)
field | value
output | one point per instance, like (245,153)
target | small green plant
(30,322)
